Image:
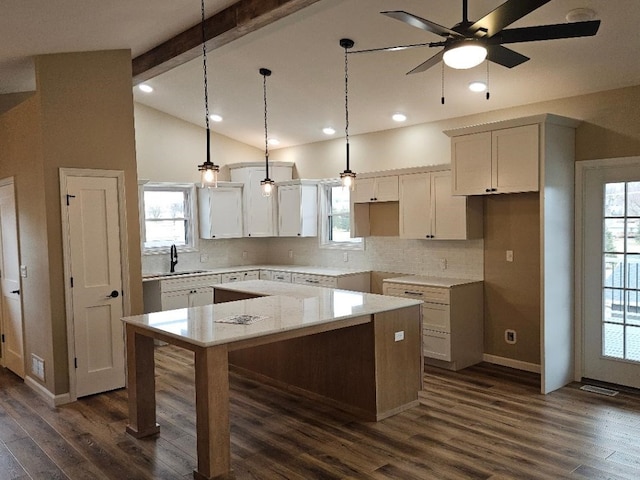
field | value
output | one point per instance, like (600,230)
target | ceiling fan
(468,43)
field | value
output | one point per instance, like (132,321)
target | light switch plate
(399,336)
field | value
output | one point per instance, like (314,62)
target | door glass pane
(614,200)
(621,271)
(614,235)
(633,235)
(613,340)
(633,199)
(633,343)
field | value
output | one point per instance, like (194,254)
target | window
(336,218)
(168,217)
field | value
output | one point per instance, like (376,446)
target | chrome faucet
(174,258)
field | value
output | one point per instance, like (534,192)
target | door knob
(113,294)
(17,292)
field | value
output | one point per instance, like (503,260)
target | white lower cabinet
(183,292)
(275,276)
(452,320)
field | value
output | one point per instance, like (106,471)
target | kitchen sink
(173,274)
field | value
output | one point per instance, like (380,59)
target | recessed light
(399,117)
(215,117)
(145,88)
(274,141)
(329,130)
(477,86)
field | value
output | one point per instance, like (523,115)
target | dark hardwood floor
(485,422)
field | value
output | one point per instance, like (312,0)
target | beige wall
(169,149)
(80,117)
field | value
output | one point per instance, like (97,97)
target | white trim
(581,172)
(510,362)
(66,255)
(51,399)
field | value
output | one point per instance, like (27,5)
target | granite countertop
(430,281)
(311,270)
(291,307)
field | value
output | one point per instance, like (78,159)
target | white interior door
(10,304)
(611,274)
(95,264)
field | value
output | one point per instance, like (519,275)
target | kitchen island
(358,351)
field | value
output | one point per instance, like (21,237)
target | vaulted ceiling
(306,90)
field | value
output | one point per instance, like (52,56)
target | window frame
(357,243)
(189,190)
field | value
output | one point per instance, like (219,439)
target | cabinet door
(471,164)
(516,157)
(387,189)
(220,212)
(177,299)
(259,210)
(289,211)
(448,213)
(201,296)
(364,190)
(415,208)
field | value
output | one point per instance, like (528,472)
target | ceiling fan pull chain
(488,95)
(442,97)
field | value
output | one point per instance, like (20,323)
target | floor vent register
(602,391)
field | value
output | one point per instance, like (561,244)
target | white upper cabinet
(376,189)
(499,161)
(428,210)
(260,212)
(298,209)
(220,211)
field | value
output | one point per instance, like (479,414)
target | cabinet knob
(494,189)
(487,189)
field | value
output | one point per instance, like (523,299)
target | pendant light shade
(347,177)
(465,54)
(208,170)
(267,183)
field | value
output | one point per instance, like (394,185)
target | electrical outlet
(509,255)
(345,256)
(37,367)
(510,336)
(398,336)
(290,253)
(443,264)
(23,271)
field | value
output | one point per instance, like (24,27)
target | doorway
(11,325)
(608,202)
(94,243)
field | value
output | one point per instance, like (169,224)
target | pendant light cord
(266,134)
(206,87)
(346,101)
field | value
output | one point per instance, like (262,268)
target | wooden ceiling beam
(241,18)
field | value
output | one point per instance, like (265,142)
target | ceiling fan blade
(421,23)
(505,56)
(437,58)
(503,16)
(546,32)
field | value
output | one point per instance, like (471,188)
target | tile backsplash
(463,258)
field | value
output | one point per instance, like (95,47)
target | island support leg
(212,414)
(141,384)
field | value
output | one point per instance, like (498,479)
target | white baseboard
(50,398)
(510,362)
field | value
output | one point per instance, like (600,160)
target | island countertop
(284,307)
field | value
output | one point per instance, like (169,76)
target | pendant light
(267,183)
(347,177)
(208,170)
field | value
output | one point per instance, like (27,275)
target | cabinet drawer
(426,294)
(281,277)
(240,276)
(316,280)
(436,345)
(436,316)
(186,283)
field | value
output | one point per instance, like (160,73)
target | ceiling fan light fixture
(465,54)
(477,86)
